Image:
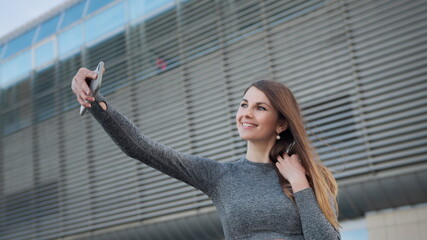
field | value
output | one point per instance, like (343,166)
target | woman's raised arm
(201,173)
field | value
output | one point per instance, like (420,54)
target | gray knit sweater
(247,195)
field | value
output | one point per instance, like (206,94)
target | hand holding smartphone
(94,84)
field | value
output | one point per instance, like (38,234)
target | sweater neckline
(268,165)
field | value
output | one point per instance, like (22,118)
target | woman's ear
(283,125)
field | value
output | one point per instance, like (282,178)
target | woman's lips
(248,126)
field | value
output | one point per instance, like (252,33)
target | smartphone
(289,149)
(94,84)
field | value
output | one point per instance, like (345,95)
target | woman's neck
(259,151)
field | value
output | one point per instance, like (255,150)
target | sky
(16,13)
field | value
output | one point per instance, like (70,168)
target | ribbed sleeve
(199,172)
(315,226)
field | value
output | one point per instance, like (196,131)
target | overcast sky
(16,13)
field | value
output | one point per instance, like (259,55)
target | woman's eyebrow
(258,103)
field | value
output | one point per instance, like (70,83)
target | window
(44,53)
(138,8)
(96,4)
(48,28)
(105,22)
(19,43)
(354,230)
(70,40)
(15,68)
(73,14)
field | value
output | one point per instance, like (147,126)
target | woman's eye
(262,108)
(243,105)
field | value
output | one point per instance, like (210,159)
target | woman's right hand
(80,87)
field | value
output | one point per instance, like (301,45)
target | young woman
(278,190)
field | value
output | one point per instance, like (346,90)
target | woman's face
(256,118)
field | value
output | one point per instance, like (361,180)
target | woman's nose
(248,113)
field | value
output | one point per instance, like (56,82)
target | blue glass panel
(16,68)
(359,234)
(44,53)
(1,50)
(138,8)
(151,6)
(105,22)
(70,40)
(73,14)
(21,42)
(48,28)
(96,4)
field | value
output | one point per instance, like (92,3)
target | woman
(269,193)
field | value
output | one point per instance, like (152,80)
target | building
(178,70)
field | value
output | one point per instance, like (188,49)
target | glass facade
(354,229)
(73,14)
(47,28)
(360,234)
(45,53)
(70,40)
(17,68)
(96,4)
(105,22)
(19,43)
(94,20)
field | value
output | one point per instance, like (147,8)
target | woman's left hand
(292,170)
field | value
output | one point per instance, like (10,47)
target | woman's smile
(248,126)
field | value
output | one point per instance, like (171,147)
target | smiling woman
(267,194)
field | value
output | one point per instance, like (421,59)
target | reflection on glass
(96,4)
(73,14)
(139,8)
(105,22)
(1,50)
(48,28)
(21,42)
(14,69)
(44,53)
(70,40)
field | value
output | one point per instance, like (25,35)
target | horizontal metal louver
(357,69)
(391,57)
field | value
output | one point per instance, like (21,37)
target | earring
(277,136)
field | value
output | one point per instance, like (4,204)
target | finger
(83,102)
(295,156)
(81,93)
(78,86)
(80,79)
(84,73)
(279,158)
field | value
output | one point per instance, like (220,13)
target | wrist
(299,184)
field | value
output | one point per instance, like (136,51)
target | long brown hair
(319,177)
